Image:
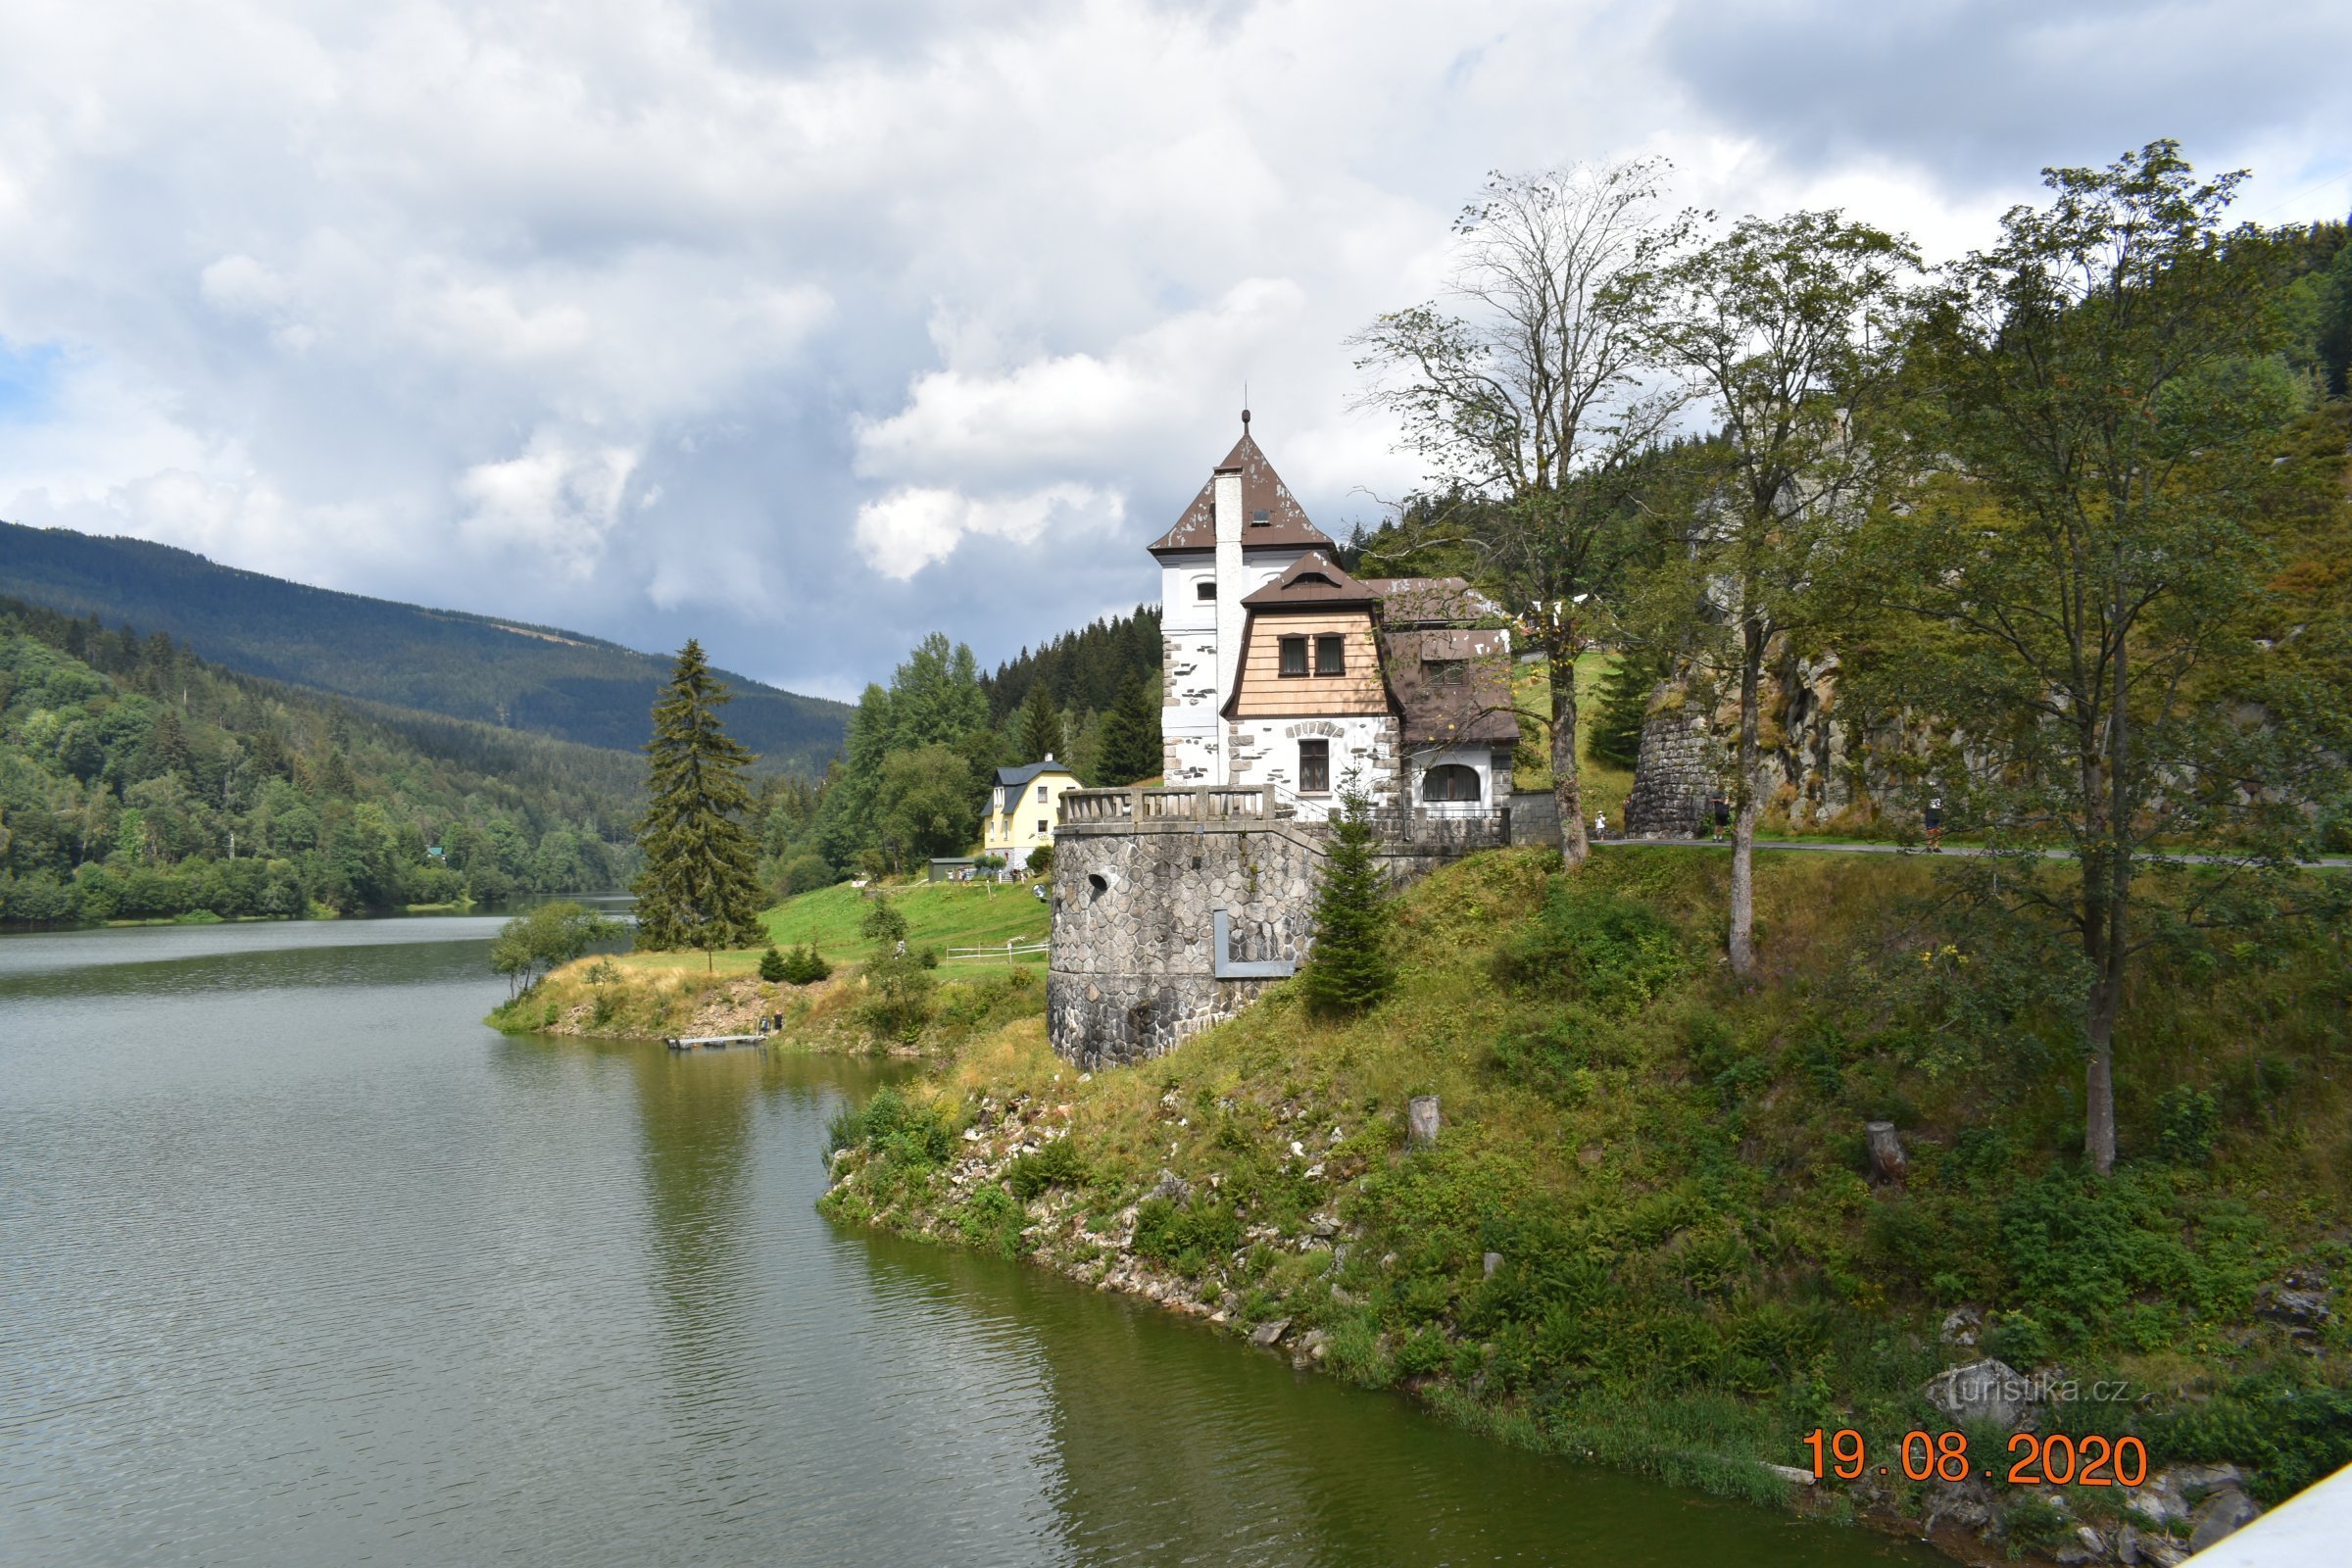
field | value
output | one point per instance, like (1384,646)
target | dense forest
(502,673)
(138,781)
(922,752)
(1085,672)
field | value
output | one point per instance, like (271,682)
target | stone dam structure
(1174,909)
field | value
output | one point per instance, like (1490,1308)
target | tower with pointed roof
(1242,533)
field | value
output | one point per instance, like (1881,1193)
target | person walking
(1600,824)
(1933,823)
(1719,816)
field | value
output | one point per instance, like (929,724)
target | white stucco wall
(1265,751)
(1480,760)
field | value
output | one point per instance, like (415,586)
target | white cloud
(419,296)
(558,499)
(912,527)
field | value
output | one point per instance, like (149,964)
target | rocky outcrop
(1813,768)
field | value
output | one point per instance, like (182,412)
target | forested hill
(514,675)
(138,781)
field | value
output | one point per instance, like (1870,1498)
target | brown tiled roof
(1262,491)
(1313,583)
(1478,711)
(1431,600)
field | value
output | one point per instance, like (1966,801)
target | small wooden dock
(712,1042)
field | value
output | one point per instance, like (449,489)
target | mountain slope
(507,673)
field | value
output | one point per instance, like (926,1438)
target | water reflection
(299,1263)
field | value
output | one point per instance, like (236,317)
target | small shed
(945,866)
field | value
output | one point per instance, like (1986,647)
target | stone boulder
(2222,1514)
(1989,1392)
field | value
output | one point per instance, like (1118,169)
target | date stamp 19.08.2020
(2033,1460)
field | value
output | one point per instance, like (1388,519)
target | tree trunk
(1567,781)
(1742,943)
(2107,923)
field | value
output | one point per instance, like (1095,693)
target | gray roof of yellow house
(1012,778)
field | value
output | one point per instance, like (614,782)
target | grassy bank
(1646,1231)
(651,995)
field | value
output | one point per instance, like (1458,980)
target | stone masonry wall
(1131,974)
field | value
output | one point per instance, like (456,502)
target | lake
(300,1263)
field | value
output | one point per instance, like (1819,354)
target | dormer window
(1314,577)
(1261,518)
(1446,671)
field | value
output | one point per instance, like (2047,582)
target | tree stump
(1421,1121)
(1887,1162)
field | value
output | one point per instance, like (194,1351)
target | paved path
(2329,863)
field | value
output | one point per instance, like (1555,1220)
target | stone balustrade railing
(1129,806)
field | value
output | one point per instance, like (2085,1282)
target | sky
(809,329)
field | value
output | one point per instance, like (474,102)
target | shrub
(884,922)
(805,874)
(2288,1435)
(897,1000)
(1613,952)
(802,966)
(992,1222)
(2187,1118)
(1041,859)
(771,966)
(1189,1238)
(890,1125)
(1055,1165)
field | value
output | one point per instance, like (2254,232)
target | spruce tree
(1039,733)
(1131,747)
(1351,969)
(1625,706)
(700,887)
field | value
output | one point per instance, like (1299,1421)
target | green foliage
(771,966)
(1131,746)
(1615,732)
(925,804)
(546,936)
(805,874)
(1039,735)
(897,1000)
(800,967)
(2290,1433)
(492,677)
(1186,1236)
(2081,1250)
(883,922)
(1604,949)
(139,782)
(894,1127)
(1041,860)
(2186,1119)
(1351,969)
(1058,1164)
(700,887)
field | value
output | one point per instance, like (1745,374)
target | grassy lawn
(938,914)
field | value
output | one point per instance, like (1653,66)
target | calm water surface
(299,1263)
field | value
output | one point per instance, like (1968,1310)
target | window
(1294,656)
(1446,671)
(1260,518)
(1040,828)
(1314,768)
(1331,655)
(1205,588)
(1450,781)
(1041,794)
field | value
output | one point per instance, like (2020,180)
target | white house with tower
(1280,669)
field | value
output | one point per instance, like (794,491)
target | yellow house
(1023,807)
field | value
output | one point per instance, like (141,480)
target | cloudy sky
(810,328)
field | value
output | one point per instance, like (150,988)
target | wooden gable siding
(1263,690)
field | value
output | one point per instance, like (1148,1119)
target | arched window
(1450,781)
